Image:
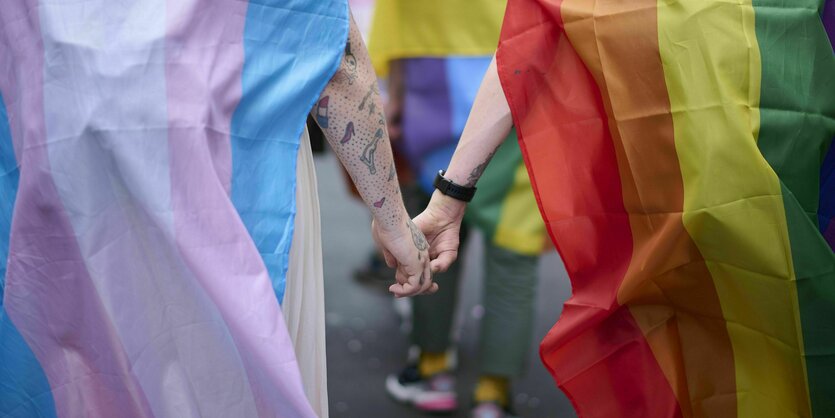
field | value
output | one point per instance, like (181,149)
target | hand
(441,222)
(405,248)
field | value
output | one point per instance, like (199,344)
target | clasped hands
(423,246)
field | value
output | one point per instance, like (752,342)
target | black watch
(455,191)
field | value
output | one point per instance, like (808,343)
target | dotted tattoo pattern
(350,113)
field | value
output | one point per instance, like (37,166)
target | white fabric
(304,294)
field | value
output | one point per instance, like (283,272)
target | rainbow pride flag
(147,196)
(680,154)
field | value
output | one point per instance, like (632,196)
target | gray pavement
(365,336)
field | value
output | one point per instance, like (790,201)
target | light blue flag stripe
(280,82)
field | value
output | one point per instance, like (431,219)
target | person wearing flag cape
(681,155)
(160,239)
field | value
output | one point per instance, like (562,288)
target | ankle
(493,389)
(431,364)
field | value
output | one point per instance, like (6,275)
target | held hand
(405,248)
(441,222)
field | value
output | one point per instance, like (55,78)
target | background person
(434,54)
(155,174)
(684,176)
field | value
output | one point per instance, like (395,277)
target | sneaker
(435,394)
(490,410)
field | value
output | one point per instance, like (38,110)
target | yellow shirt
(433,28)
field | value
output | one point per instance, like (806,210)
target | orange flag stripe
(667,286)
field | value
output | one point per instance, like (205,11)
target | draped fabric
(304,298)
(680,152)
(148,167)
(433,28)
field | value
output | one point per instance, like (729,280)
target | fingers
(400,276)
(427,282)
(414,284)
(411,287)
(405,290)
(390,260)
(442,262)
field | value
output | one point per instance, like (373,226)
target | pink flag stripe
(50,296)
(204,64)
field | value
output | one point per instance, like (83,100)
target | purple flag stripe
(427,111)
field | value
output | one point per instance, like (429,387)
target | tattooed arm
(350,113)
(488,125)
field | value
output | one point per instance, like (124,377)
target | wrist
(453,189)
(446,206)
(392,223)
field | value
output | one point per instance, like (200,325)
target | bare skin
(489,124)
(350,113)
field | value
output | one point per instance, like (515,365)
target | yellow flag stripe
(733,207)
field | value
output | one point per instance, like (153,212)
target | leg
(428,385)
(433,314)
(507,327)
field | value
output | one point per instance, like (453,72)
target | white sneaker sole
(440,402)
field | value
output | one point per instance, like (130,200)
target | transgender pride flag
(147,183)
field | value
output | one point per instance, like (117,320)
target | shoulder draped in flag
(147,183)
(680,155)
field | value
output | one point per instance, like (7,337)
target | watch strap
(453,190)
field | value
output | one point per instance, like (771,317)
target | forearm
(487,127)
(351,116)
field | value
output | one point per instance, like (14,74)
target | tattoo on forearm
(350,63)
(351,115)
(472,179)
(349,133)
(369,152)
(322,112)
(368,97)
(417,236)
